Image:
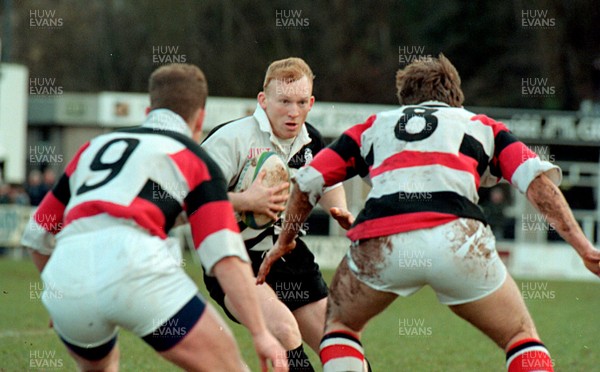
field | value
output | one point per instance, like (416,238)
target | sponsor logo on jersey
(308,156)
(256,151)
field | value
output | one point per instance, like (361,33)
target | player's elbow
(227,265)
(539,188)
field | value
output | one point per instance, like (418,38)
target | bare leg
(209,346)
(280,320)
(311,321)
(502,316)
(351,303)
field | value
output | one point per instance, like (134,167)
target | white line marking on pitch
(33,332)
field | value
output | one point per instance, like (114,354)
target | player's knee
(287,333)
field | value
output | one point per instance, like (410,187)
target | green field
(414,334)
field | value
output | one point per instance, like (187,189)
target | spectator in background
(12,193)
(4,193)
(49,178)
(35,187)
(17,195)
(493,209)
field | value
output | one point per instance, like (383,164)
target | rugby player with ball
(294,298)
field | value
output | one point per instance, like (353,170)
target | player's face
(286,105)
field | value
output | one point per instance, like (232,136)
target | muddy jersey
(144,176)
(425,164)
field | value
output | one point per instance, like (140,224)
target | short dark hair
(179,87)
(429,79)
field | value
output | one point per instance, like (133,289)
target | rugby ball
(277,173)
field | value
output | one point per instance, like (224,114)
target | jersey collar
(167,120)
(265,126)
(433,104)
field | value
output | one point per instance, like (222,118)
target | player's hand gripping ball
(277,173)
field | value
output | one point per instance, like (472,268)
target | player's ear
(311,102)
(148,109)
(197,125)
(262,100)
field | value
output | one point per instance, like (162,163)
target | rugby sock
(298,360)
(528,355)
(341,351)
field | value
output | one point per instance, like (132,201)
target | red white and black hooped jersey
(144,176)
(425,163)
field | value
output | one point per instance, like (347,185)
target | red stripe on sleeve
(339,351)
(356,131)
(331,165)
(73,163)
(49,213)
(192,167)
(511,157)
(211,218)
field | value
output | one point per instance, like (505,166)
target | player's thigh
(81,323)
(155,290)
(208,346)
(502,315)
(311,321)
(279,319)
(352,302)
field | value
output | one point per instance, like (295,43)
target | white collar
(433,103)
(165,119)
(263,123)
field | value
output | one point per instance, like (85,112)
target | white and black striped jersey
(233,144)
(425,163)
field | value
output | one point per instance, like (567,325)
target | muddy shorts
(458,260)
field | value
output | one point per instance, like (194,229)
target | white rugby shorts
(457,259)
(120,276)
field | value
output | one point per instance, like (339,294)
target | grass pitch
(414,334)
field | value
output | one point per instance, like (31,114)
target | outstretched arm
(300,208)
(334,201)
(548,199)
